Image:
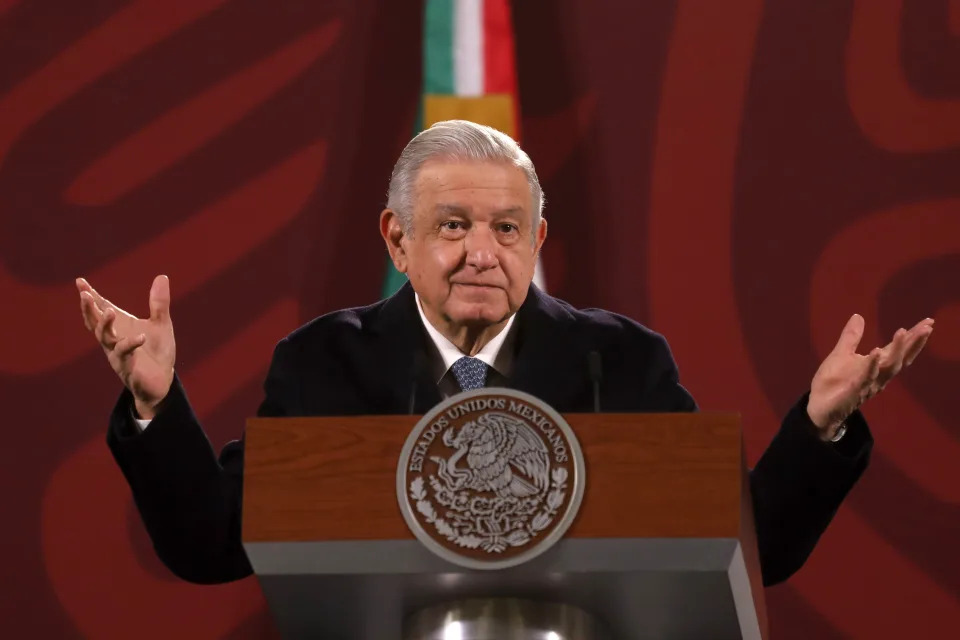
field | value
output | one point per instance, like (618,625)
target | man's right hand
(141,351)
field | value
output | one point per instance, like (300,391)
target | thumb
(160,299)
(851,335)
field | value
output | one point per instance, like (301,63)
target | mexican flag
(469,73)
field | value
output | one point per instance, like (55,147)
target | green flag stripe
(393,280)
(438,47)
(437,79)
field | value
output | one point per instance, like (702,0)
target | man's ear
(392,231)
(540,236)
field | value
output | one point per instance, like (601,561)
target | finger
(891,360)
(898,344)
(890,349)
(128,345)
(922,329)
(104,329)
(160,299)
(851,335)
(898,347)
(871,368)
(91,314)
(84,288)
(102,303)
(917,344)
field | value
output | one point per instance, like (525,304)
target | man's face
(472,252)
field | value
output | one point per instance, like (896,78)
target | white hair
(456,140)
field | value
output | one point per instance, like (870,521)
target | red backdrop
(741,176)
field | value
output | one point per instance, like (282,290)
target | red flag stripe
(500,73)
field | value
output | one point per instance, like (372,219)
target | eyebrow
(450,209)
(509,211)
(459,210)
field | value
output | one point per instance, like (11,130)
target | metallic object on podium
(502,619)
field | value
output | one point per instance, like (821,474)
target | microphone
(419,367)
(595,371)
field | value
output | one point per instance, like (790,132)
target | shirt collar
(498,353)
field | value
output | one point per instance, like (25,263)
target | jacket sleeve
(797,485)
(188,497)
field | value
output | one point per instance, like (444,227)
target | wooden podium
(663,545)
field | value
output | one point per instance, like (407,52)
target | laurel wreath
(494,543)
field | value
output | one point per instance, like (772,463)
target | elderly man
(463,222)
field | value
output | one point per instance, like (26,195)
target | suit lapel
(399,342)
(551,361)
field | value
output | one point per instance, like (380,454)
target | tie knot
(471,373)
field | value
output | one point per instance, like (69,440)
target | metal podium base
(639,589)
(502,619)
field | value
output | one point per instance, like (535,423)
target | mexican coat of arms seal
(490,478)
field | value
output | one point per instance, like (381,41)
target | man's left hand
(846,379)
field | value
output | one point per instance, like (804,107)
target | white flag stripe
(468,47)
(468,69)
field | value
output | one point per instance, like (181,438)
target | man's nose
(481,248)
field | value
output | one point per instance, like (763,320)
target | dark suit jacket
(361,361)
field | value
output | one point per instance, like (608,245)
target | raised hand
(141,351)
(846,379)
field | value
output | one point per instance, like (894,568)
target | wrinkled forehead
(467,187)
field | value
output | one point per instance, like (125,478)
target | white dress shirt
(496,354)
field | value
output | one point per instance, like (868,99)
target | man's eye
(508,228)
(452,225)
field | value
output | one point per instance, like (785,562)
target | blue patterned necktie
(471,373)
